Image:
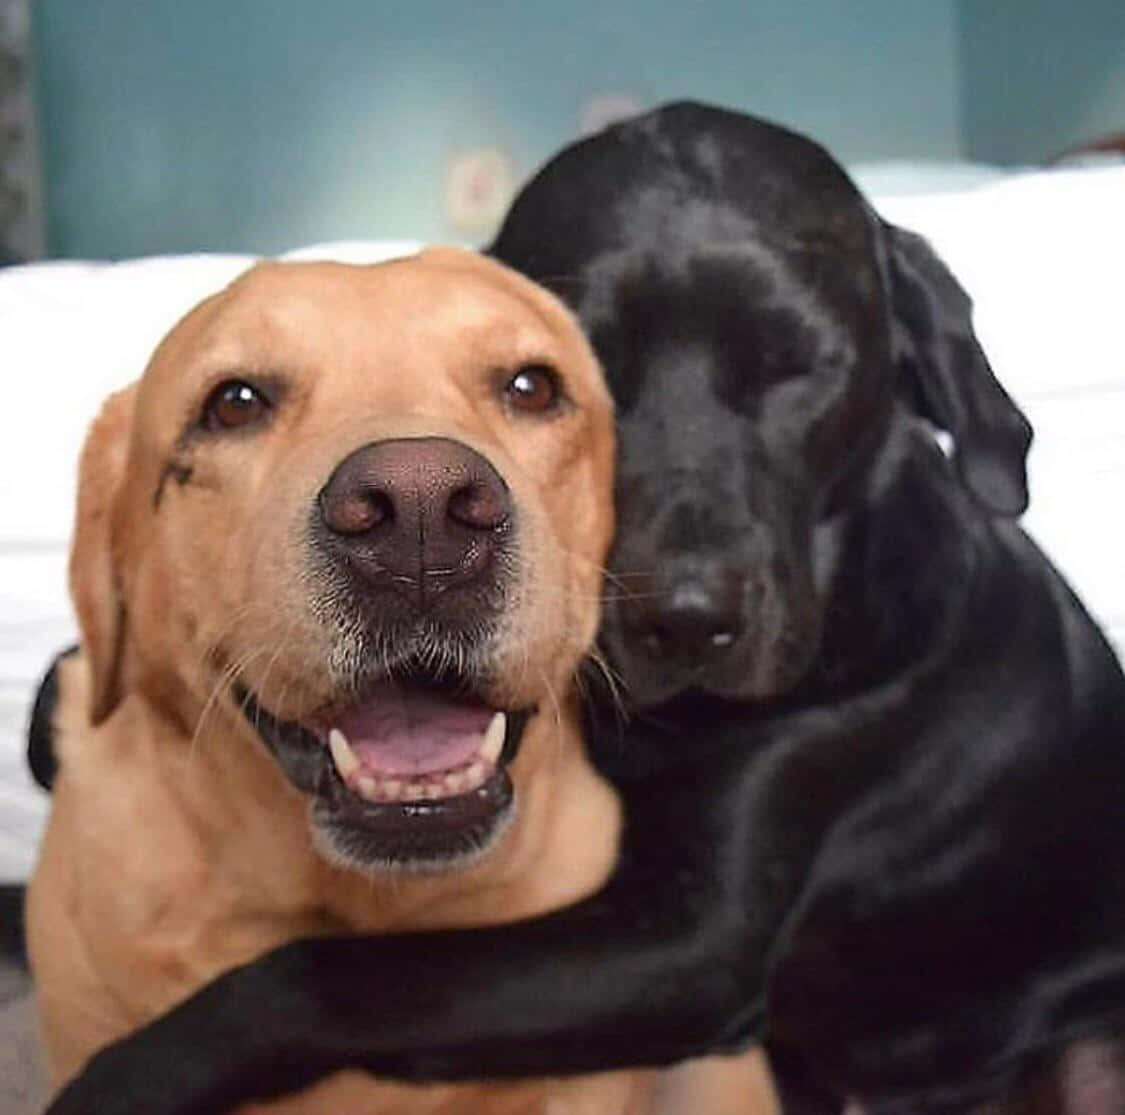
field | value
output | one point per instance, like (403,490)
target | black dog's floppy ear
(947,378)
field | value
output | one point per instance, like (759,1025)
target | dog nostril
(479,506)
(686,632)
(689,621)
(358,511)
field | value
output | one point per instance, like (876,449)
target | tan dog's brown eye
(234,405)
(534,389)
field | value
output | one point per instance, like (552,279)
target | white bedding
(1042,254)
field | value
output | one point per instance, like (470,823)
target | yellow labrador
(336,561)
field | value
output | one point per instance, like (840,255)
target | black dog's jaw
(875,823)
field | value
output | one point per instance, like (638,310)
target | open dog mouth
(409,745)
(414,773)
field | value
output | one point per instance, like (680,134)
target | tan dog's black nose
(417,515)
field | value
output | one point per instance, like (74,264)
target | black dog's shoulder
(41,726)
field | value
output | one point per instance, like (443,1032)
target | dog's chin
(412,777)
(428,836)
(753,671)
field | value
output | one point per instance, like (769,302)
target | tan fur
(176,848)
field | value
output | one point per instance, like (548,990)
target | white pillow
(1043,256)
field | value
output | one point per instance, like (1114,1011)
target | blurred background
(135,127)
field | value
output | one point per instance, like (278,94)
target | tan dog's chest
(141,871)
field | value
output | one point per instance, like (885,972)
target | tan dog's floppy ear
(93,575)
(947,378)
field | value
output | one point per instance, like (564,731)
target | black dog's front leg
(650,970)
(431,1007)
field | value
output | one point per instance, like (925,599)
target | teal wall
(1038,76)
(262,124)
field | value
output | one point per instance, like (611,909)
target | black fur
(12,946)
(40,729)
(875,817)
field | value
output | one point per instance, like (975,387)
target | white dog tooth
(342,754)
(455,783)
(413,791)
(391,788)
(367,787)
(475,775)
(494,738)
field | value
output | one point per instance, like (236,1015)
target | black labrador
(874,762)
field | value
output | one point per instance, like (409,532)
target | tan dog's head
(362,511)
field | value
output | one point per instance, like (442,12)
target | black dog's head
(762,331)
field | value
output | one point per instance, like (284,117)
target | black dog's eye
(234,405)
(534,389)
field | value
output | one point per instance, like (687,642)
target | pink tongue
(400,731)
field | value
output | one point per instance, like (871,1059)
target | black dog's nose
(419,515)
(692,617)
